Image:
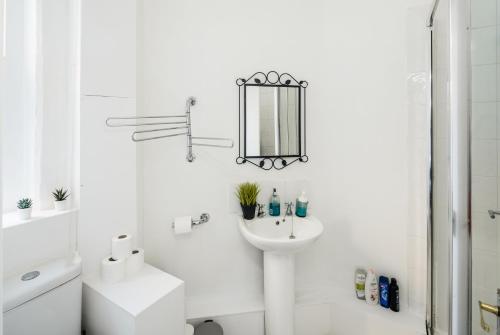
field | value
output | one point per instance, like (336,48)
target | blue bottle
(383,284)
(301,205)
(274,204)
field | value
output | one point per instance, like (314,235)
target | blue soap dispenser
(274,204)
(301,205)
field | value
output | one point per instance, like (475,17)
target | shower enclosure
(463,229)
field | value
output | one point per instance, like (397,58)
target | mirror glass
(272,121)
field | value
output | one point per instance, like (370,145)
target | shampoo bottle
(394,295)
(371,288)
(274,204)
(383,283)
(359,283)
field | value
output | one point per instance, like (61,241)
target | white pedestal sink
(280,240)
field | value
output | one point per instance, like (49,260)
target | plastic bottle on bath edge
(359,283)
(371,288)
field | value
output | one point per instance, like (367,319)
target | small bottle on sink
(274,204)
(301,205)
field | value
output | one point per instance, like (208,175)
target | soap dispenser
(301,205)
(274,204)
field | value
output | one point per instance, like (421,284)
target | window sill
(10,220)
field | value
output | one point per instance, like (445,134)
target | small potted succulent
(247,194)
(60,199)
(24,208)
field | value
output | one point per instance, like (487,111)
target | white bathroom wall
(354,56)
(108,156)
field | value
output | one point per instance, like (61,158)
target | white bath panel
(356,317)
(312,319)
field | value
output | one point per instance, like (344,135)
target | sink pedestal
(279,293)
(279,263)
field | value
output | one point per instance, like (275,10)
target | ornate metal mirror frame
(271,79)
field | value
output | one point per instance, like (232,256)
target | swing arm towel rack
(180,126)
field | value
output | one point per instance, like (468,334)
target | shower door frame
(459,168)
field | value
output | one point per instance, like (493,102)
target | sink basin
(280,240)
(266,235)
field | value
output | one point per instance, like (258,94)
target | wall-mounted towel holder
(181,126)
(204,218)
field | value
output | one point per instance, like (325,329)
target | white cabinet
(148,303)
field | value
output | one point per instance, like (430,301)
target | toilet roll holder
(204,218)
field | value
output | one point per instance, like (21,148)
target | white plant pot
(24,214)
(61,205)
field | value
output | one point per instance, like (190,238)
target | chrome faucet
(288,211)
(260,212)
(289,207)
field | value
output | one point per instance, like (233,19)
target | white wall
(353,56)
(108,157)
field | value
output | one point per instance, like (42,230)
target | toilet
(45,300)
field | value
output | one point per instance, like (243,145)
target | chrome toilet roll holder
(204,218)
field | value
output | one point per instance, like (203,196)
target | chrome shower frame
(460,260)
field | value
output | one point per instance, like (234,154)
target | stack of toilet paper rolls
(124,261)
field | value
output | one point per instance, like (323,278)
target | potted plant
(24,208)
(247,194)
(60,199)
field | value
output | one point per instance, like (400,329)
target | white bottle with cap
(371,288)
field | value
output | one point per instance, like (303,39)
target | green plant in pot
(24,208)
(60,199)
(247,194)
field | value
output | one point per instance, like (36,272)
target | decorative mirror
(272,116)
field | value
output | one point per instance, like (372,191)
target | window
(38,100)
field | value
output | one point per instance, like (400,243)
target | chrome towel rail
(229,141)
(182,124)
(110,121)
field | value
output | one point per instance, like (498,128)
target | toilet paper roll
(121,246)
(135,261)
(182,225)
(112,270)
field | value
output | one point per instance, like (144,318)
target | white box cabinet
(148,303)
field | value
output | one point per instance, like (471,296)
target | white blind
(37,101)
